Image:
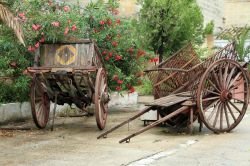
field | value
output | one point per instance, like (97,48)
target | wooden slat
(172,75)
(169,100)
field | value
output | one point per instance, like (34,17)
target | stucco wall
(223,12)
(237,13)
(212,10)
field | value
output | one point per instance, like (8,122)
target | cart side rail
(166,81)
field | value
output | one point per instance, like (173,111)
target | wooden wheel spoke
(212,92)
(104,87)
(225,75)
(231,112)
(38,99)
(215,77)
(217,115)
(211,105)
(101,108)
(230,76)
(41,116)
(39,110)
(221,78)
(213,111)
(234,86)
(232,104)
(213,85)
(210,98)
(226,115)
(235,78)
(38,92)
(221,116)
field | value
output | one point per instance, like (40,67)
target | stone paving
(73,142)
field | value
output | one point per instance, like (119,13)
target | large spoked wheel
(101,98)
(40,103)
(215,96)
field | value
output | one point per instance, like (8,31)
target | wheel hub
(105,97)
(226,95)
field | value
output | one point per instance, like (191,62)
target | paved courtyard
(74,143)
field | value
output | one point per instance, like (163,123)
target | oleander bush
(46,21)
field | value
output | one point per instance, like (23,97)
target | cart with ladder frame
(186,89)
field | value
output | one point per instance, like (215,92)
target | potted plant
(208,33)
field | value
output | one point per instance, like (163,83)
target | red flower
(74,28)
(55,24)
(37,44)
(109,22)
(31,49)
(140,53)
(118,88)
(104,52)
(118,21)
(107,58)
(110,54)
(131,50)
(36,27)
(66,8)
(42,40)
(66,31)
(114,43)
(118,57)
(115,77)
(154,59)
(102,22)
(22,15)
(119,81)
(132,90)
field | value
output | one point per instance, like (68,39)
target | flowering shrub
(13,60)
(47,21)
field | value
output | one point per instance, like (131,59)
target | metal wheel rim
(40,104)
(101,108)
(225,114)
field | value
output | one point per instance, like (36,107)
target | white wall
(212,10)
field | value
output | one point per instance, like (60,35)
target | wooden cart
(72,73)
(186,89)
